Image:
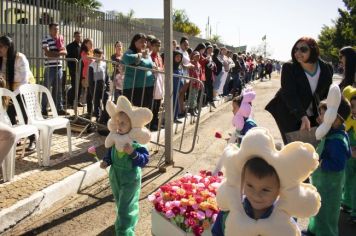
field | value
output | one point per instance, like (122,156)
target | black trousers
(142,97)
(95,96)
(71,92)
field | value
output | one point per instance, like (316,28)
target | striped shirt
(50,43)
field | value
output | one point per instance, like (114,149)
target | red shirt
(196,72)
(202,61)
(157,59)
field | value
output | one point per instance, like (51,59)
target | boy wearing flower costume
(348,201)
(126,155)
(333,150)
(264,187)
(241,108)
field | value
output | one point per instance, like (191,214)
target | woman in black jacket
(305,82)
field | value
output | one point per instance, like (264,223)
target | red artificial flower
(158,207)
(192,222)
(218,135)
(176,210)
(197,230)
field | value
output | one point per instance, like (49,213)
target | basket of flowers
(186,206)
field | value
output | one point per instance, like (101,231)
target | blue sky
(245,22)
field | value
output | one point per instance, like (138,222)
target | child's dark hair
(98,51)
(353,98)
(260,168)
(237,100)
(344,109)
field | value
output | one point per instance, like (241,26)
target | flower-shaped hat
(293,164)
(139,117)
(248,95)
(348,93)
(333,102)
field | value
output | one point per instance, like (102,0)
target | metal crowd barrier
(143,97)
(85,119)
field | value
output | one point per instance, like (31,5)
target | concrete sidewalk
(35,189)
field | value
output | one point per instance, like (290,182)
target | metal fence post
(168,36)
(38,43)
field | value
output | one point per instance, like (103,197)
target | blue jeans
(53,78)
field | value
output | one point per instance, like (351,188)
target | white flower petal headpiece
(139,117)
(293,164)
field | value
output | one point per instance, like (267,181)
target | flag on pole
(264,37)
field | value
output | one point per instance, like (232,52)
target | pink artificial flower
(92,150)
(182,210)
(195,206)
(151,198)
(200,215)
(169,214)
(208,213)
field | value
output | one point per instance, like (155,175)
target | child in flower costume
(242,108)
(241,212)
(126,155)
(334,150)
(348,201)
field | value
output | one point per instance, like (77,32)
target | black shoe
(352,219)
(177,121)
(154,127)
(31,146)
(181,115)
(306,232)
(345,209)
(45,113)
(192,112)
(63,113)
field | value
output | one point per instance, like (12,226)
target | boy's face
(123,123)
(353,107)
(177,58)
(261,192)
(98,55)
(235,107)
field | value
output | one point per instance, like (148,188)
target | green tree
(181,23)
(342,33)
(92,4)
(215,38)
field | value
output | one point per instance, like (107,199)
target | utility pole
(168,68)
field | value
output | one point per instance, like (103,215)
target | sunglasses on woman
(302,49)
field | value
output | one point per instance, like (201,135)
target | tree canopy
(181,23)
(92,4)
(342,33)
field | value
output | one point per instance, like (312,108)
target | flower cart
(186,206)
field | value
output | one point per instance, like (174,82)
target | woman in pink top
(86,51)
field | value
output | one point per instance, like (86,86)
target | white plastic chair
(21,130)
(31,95)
